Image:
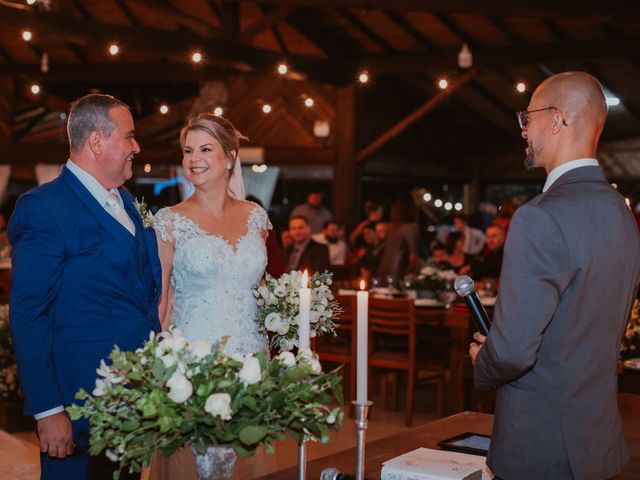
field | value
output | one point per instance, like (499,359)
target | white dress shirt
(101,194)
(560,170)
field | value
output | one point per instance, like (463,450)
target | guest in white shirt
(338,248)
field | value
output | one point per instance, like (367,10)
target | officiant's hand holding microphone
(465,288)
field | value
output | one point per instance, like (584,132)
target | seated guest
(313,211)
(455,252)
(473,239)
(439,258)
(490,262)
(373,213)
(330,236)
(305,253)
(370,256)
(285,239)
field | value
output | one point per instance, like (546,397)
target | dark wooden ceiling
(404,45)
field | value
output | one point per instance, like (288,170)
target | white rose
(200,348)
(314,316)
(273,321)
(284,328)
(279,291)
(169,360)
(238,357)
(180,389)
(288,359)
(272,299)
(260,302)
(250,371)
(219,405)
(305,355)
(111,456)
(100,389)
(263,291)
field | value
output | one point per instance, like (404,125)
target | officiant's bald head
(571,110)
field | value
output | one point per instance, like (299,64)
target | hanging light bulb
(217,111)
(363,77)
(35,89)
(521,87)
(164,109)
(114,49)
(196,57)
(266,108)
(282,69)
(26,36)
(443,83)
(308,102)
(465,57)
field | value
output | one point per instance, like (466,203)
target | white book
(428,464)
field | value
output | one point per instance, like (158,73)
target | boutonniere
(143,210)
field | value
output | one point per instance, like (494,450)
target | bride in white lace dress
(212,245)
(212,250)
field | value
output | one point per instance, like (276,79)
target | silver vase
(217,463)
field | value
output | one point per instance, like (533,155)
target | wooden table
(458,323)
(386,448)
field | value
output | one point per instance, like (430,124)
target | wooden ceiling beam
(364,28)
(226,53)
(418,36)
(592,9)
(504,56)
(268,20)
(413,117)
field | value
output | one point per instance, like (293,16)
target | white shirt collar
(560,170)
(98,192)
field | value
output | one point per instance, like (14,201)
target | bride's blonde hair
(219,128)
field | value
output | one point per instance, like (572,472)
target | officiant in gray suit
(571,269)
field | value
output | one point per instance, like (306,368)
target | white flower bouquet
(279,307)
(432,278)
(174,392)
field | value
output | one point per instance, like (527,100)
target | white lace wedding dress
(212,280)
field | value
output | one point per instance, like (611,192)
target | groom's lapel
(116,230)
(149,238)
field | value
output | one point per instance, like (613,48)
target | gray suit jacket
(570,272)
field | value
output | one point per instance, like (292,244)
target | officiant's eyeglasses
(523,117)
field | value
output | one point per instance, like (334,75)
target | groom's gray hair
(91,114)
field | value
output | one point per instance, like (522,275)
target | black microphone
(464,287)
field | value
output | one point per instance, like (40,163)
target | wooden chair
(341,349)
(392,345)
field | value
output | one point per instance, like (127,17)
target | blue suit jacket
(79,287)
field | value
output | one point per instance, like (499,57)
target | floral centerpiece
(279,307)
(10,391)
(434,279)
(174,392)
(631,339)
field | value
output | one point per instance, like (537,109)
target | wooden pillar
(7,96)
(344,171)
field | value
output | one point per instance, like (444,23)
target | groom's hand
(56,438)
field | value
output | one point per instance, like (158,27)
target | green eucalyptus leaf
(252,434)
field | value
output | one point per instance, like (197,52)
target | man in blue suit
(86,277)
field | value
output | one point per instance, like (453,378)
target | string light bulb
(35,89)
(308,102)
(521,87)
(363,77)
(147,168)
(114,49)
(26,36)
(443,83)
(266,108)
(196,57)
(448,206)
(438,203)
(427,197)
(217,111)
(164,109)
(458,206)
(282,69)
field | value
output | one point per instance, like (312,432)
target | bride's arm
(165,304)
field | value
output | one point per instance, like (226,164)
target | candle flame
(362,285)
(305,279)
